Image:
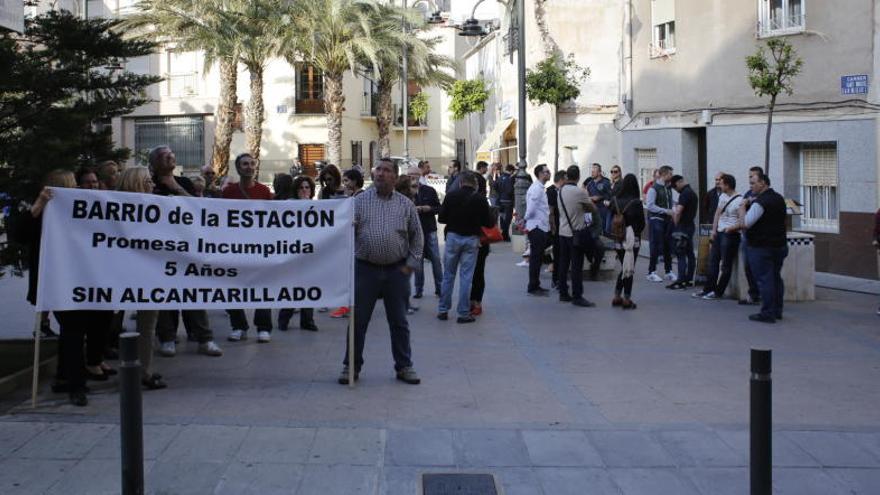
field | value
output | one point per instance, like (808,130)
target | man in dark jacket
(428,206)
(504,186)
(768,245)
(464,212)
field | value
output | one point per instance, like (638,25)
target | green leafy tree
(418,110)
(60,77)
(468,97)
(771,77)
(555,81)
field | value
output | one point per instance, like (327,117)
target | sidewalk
(549,398)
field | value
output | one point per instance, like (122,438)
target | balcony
(369,104)
(309,106)
(781,25)
(183,85)
(411,122)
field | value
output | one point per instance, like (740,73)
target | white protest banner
(119,250)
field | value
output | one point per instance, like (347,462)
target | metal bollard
(761,424)
(131,415)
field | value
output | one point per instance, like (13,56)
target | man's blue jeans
(660,244)
(461,255)
(432,253)
(388,282)
(766,264)
(724,250)
(687,261)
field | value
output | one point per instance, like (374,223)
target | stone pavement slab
(561,448)
(643,481)
(630,449)
(420,448)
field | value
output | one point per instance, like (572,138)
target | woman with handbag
(627,224)
(490,236)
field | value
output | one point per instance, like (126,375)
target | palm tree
(335,36)
(198,25)
(260,27)
(424,67)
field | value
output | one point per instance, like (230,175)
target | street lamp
(472,27)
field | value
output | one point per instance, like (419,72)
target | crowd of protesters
(399,223)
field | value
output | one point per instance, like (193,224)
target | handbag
(579,238)
(491,235)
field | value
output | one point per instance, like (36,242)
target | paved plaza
(549,398)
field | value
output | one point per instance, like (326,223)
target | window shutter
(646,160)
(662,11)
(819,166)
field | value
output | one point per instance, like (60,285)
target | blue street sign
(854,85)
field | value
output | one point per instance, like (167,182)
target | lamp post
(435,18)
(472,27)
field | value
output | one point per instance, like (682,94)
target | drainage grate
(458,484)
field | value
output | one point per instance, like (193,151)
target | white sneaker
(523,263)
(167,349)
(699,294)
(671,277)
(263,337)
(710,296)
(653,277)
(209,348)
(236,335)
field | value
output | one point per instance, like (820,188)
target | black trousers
(478,286)
(262,319)
(306,316)
(74,325)
(571,263)
(625,284)
(537,244)
(505,216)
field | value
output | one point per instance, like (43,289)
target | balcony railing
(309,105)
(779,25)
(369,104)
(411,122)
(181,85)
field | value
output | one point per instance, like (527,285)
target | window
(357,153)
(819,188)
(184,135)
(369,100)
(778,17)
(309,89)
(647,162)
(183,74)
(663,24)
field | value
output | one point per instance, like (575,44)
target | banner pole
(36,374)
(351,363)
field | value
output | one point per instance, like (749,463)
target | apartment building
(182,111)
(591,31)
(686,102)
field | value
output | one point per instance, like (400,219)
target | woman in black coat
(627,202)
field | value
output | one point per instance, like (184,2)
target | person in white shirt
(725,240)
(537,220)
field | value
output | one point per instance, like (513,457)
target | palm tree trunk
(334,105)
(225,115)
(253,127)
(384,115)
(767,139)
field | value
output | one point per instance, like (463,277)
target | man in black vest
(768,247)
